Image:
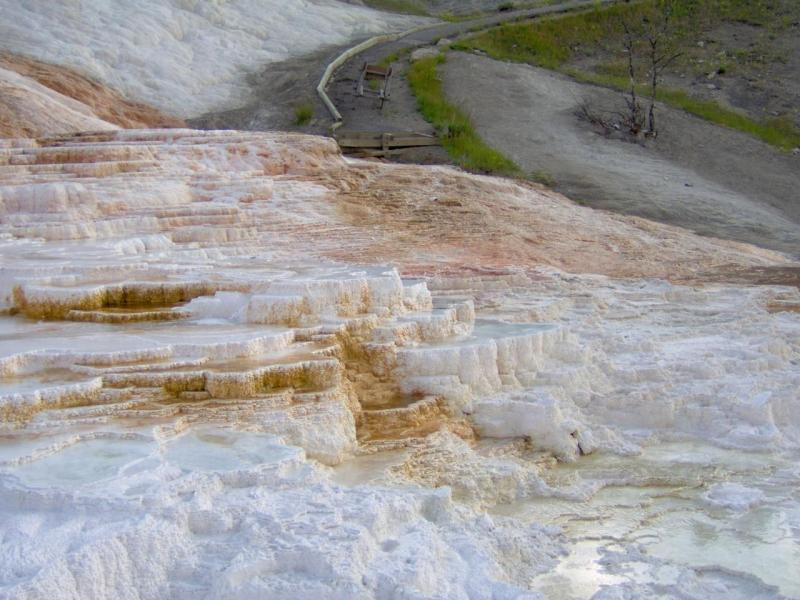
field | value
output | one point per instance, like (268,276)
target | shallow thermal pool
(120,459)
(717,515)
(40,381)
(486,330)
(103,338)
(82,463)
(676,506)
(225,450)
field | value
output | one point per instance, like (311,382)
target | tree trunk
(633,104)
(651,117)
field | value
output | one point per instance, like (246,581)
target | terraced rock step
(451,385)
(416,420)
(126,315)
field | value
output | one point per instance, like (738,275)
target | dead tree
(650,34)
(649,44)
(633,118)
(661,54)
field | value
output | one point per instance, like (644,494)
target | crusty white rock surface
(29,109)
(237,365)
(33,102)
(183,57)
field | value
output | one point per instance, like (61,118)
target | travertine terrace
(239,365)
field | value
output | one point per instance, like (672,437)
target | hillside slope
(29,109)
(185,58)
(104,102)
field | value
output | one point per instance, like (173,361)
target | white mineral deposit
(204,393)
(239,365)
(184,57)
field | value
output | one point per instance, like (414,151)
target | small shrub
(409,7)
(387,60)
(543,178)
(779,131)
(457,128)
(303,113)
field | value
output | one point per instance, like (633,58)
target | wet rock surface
(238,364)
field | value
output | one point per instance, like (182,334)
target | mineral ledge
(239,365)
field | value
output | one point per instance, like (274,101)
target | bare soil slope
(712,180)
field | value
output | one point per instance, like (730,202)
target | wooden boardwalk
(379,143)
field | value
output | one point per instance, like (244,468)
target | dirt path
(455,7)
(279,87)
(400,113)
(709,179)
(276,90)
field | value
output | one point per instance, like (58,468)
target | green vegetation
(544,178)
(409,7)
(553,43)
(389,59)
(303,113)
(454,127)
(546,43)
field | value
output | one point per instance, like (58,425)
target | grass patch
(387,60)
(303,113)
(548,42)
(543,178)
(552,43)
(408,7)
(455,129)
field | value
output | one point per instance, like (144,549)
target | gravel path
(279,87)
(706,178)
(400,113)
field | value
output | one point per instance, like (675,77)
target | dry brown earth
(105,103)
(712,180)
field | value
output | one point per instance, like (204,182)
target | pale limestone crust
(29,109)
(183,57)
(202,331)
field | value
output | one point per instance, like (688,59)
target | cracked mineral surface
(239,365)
